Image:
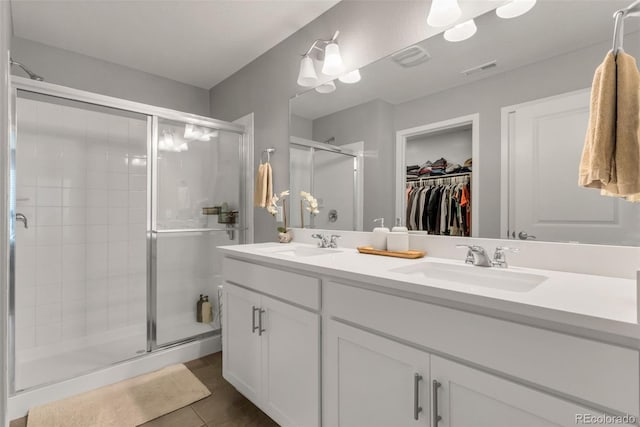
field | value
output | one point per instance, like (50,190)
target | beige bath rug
(125,404)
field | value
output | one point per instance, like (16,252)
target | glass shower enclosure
(117,209)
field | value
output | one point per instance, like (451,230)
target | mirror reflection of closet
(438,155)
(439,165)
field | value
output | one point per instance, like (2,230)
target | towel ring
(268,152)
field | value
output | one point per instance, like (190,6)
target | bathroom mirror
(507,109)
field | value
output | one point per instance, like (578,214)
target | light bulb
(443,13)
(461,31)
(328,87)
(515,8)
(332,65)
(350,77)
(307,76)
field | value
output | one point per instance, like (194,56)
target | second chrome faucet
(326,241)
(478,256)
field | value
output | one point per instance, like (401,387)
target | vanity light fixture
(443,13)
(461,31)
(167,142)
(350,77)
(332,64)
(328,87)
(515,8)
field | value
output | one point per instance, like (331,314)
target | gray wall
(368,31)
(5,35)
(83,72)
(372,123)
(301,127)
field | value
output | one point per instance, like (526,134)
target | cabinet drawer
(600,373)
(296,288)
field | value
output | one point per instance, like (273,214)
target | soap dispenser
(380,235)
(398,239)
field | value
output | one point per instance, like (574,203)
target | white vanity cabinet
(271,350)
(398,358)
(372,381)
(465,397)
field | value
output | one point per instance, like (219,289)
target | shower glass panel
(333,186)
(79,290)
(199,178)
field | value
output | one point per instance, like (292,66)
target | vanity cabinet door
(290,364)
(241,343)
(372,381)
(469,397)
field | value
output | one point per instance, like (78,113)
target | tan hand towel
(597,166)
(627,150)
(264,186)
(259,194)
(611,155)
(269,184)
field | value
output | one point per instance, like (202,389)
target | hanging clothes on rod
(440,205)
(611,156)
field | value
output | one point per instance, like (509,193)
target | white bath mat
(125,404)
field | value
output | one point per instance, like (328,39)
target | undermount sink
(303,251)
(487,277)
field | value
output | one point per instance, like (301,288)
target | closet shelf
(449,175)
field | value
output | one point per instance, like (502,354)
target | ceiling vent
(480,68)
(411,56)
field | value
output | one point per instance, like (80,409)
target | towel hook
(268,152)
(618,31)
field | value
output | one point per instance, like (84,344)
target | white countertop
(603,308)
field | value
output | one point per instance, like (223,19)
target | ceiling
(195,42)
(551,28)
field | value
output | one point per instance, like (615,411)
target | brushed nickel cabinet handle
(254,328)
(416,396)
(260,330)
(434,395)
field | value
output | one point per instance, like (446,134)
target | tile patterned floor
(224,408)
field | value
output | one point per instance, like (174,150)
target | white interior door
(469,397)
(241,354)
(290,364)
(371,381)
(545,145)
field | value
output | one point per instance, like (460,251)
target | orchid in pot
(311,206)
(279,201)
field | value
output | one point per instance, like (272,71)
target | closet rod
(449,175)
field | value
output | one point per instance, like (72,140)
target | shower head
(330,140)
(31,74)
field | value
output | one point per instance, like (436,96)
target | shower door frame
(314,146)
(153,114)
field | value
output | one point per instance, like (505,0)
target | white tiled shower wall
(81,265)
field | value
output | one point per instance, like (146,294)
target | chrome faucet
(476,255)
(500,257)
(326,241)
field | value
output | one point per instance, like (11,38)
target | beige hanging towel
(611,155)
(264,186)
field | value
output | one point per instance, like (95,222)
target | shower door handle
(20,217)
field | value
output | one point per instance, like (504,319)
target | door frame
(507,141)
(401,174)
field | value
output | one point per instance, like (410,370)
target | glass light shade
(328,87)
(307,76)
(515,8)
(461,31)
(350,77)
(443,13)
(332,65)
